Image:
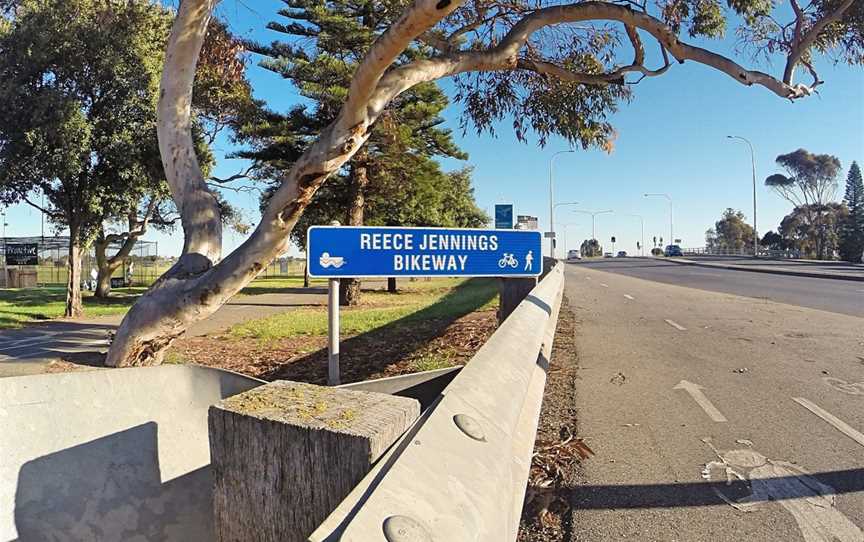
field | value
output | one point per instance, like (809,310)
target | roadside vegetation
(19,307)
(427,325)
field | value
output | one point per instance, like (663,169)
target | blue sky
(671,138)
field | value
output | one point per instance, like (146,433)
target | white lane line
(695,391)
(676,325)
(838,424)
(628,296)
(604,285)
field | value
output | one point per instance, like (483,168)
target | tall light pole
(753,163)
(671,226)
(642,221)
(565,231)
(552,203)
(565,234)
(593,214)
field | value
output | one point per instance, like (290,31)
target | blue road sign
(346,251)
(503,216)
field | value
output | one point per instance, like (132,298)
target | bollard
(285,454)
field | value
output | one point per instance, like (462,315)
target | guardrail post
(511,292)
(285,454)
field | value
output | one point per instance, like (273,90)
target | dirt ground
(388,351)
(557,450)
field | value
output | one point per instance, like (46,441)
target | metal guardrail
(461,472)
(745,252)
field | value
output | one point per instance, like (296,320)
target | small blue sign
(347,251)
(503,216)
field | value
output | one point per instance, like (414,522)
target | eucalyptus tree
(810,187)
(551,67)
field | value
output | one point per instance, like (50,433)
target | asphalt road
(842,296)
(715,417)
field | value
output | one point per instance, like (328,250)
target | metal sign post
(333,333)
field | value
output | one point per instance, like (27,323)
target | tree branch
(51,214)
(505,56)
(801,43)
(235,177)
(198,206)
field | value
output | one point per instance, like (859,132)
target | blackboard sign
(22,254)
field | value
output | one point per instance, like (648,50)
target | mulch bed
(387,351)
(557,450)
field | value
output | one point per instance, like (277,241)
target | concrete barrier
(109,455)
(460,473)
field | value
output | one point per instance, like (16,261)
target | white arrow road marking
(838,424)
(695,391)
(604,285)
(628,296)
(676,325)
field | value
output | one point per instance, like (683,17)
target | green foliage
(773,241)
(730,232)
(78,93)
(430,198)
(591,248)
(814,230)
(852,231)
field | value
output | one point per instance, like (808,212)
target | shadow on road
(678,495)
(370,353)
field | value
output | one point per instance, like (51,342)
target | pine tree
(852,233)
(326,42)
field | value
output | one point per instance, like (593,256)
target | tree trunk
(391,285)
(305,275)
(349,289)
(73,285)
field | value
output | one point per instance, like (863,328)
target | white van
(573,255)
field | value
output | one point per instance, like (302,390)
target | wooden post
(511,292)
(285,454)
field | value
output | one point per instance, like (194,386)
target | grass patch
(416,301)
(20,306)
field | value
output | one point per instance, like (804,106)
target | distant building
(526,222)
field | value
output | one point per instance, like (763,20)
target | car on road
(622,254)
(607,255)
(673,250)
(573,255)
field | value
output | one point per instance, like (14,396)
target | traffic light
(638,246)
(655,240)
(613,238)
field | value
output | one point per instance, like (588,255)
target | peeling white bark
(200,283)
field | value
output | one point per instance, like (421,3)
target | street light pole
(642,221)
(565,235)
(552,203)
(593,214)
(753,164)
(671,225)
